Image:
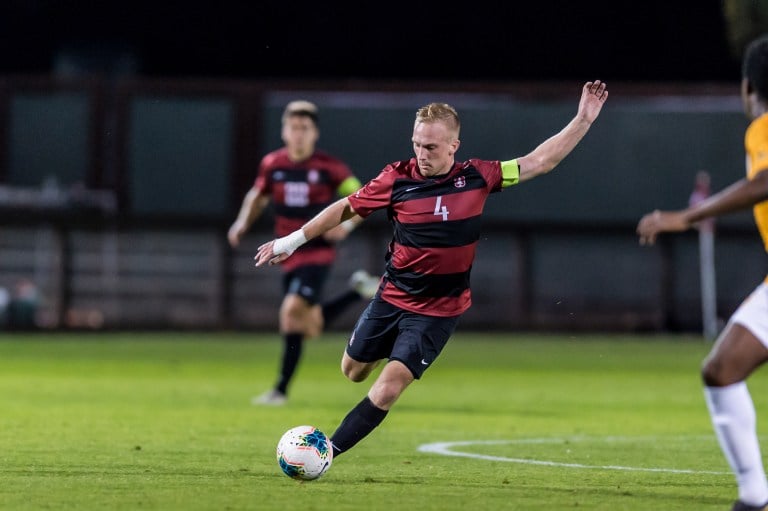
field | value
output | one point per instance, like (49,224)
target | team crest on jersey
(459,181)
(313,176)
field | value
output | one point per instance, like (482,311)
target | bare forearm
(552,151)
(278,250)
(741,195)
(328,218)
(252,208)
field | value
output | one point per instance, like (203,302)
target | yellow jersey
(756,146)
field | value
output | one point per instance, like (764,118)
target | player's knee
(355,371)
(384,395)
(312,330)
(713,373)
(355,374)
(293,311)
(296,316)
(314,322)
(356,377)
(291,324)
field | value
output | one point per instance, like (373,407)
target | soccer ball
(304,453)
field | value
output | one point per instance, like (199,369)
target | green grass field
(164,422)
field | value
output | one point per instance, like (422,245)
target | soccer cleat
(741,506)
(270,398)
(364,283)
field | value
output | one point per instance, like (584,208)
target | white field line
(448,449)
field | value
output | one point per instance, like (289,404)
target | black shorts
(386,331)
(307,282)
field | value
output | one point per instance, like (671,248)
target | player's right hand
(266,254)
(656,222)
(235,234)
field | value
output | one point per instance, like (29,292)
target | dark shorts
(385,331)
(307,282)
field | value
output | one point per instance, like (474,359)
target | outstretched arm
(740,195)
(278,250)
(552,151)
(341,231)
(251,209)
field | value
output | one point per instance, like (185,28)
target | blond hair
(300,107)
(439,112)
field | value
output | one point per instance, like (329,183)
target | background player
(743,345)
(301,180)
(435,205)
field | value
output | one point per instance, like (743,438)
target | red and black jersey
(436,223)
(300,190)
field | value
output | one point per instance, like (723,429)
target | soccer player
(743,345)
(301,180)
(435,205)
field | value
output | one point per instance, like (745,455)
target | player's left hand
(656,222)
(593,96)
(265,254)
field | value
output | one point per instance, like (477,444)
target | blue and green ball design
(304,453)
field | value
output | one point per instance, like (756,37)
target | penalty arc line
(446,449)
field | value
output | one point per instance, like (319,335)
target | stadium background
(129,133)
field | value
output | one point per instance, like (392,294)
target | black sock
(292,344)
(360,421)
(333,308)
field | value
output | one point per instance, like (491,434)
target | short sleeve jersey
(300,190)
(756,147)
(436,228)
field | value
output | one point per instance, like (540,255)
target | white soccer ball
(304,453)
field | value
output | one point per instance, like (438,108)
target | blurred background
(130,132)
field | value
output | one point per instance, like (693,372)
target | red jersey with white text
(436,227)
(299,191)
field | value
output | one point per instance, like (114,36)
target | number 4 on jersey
(441,210)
